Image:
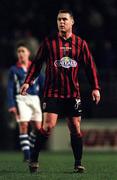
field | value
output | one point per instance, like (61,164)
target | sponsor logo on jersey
(65,62)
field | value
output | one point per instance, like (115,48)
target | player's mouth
(21,57)
(62,27)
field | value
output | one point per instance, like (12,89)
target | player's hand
(24,88)
(96,95)
(13,112)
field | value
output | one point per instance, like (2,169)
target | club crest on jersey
(44,105)
(65,62)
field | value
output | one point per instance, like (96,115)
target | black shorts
(68,107)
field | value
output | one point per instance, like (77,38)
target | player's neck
(24,64)
(65,35)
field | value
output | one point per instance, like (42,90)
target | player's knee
(45,131)
(48,125)
(48,128)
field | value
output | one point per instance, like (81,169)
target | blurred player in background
(63,54)
(26,109)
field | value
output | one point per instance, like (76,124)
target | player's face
(23,54)
(65,22)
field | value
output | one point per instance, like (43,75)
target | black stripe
(77,58)
(64,71)
(59,68)
(52,74)
(70,71)
(70,50)
(65,83)
(48,71)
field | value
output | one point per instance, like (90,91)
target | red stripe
(55,68)
(61,50)
(79,46)
(69,71)
(54,49)
(29,77)
(68,88)
(74,70)
(73,46)
(62,69)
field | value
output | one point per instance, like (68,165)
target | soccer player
(26,109)
(63,54)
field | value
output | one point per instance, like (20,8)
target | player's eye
(21,51)
(64,19)
(59,19)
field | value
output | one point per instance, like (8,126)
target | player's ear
(72,21)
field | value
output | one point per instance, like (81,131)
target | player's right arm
(11,93)
(35,69)
(11,88)
(13,111)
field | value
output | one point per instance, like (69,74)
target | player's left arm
(91,71)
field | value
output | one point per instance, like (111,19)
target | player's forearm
(93,79)
(10,94)
(33,72)
(10,101)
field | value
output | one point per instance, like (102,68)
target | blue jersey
(16,78)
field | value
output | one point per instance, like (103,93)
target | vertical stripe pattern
(62,66)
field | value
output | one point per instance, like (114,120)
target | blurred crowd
(95,21)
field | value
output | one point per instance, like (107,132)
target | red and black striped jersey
(63,58)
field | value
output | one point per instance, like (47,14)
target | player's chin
(61,29)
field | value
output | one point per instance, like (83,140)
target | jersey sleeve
(36,66)
(90,66)
(41,83)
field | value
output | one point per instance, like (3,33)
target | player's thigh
(73,107)
(51,105)
(50,112)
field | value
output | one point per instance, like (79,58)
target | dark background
(95,21)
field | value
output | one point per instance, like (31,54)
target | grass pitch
(59,166)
